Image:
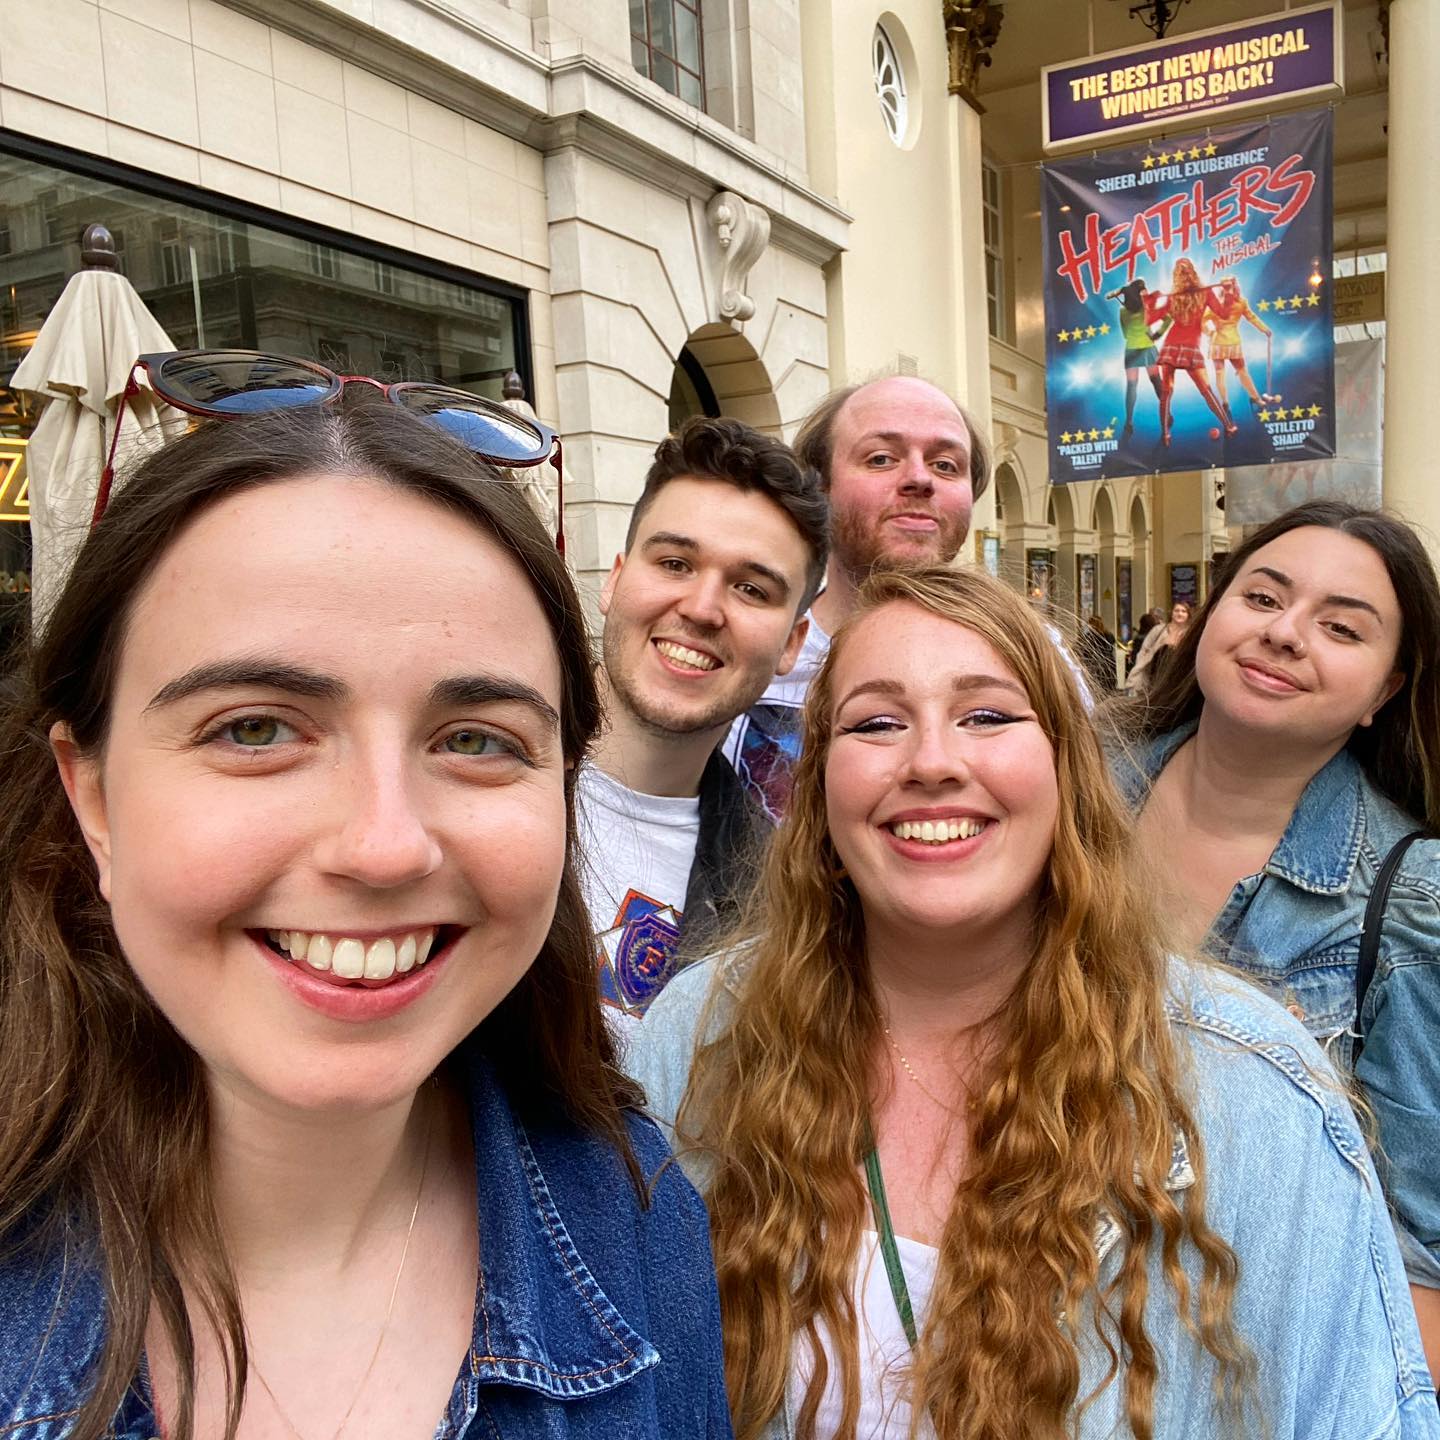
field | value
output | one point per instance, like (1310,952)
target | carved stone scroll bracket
(1007,438)
(971,29)
(742,231)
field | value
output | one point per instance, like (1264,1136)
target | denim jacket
(1321,1298)
(1295,929)
(594,1318)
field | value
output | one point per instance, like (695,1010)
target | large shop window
(218,273)
(665,44)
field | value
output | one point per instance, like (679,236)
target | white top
(884,1350)
(636,851)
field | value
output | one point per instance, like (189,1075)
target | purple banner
(1210,72)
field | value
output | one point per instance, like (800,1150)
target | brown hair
(1400,749)
(719,448)
(1075,1116)
(105,1127)
(815,440)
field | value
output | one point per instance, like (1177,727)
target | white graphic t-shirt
(636,852)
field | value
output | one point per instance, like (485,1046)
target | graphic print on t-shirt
(637,954)
(767,753)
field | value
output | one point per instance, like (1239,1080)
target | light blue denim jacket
(1295,929)
(595,1319)
(1321,1298)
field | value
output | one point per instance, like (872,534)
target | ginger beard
(859,541)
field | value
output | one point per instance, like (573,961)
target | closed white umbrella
(79,365)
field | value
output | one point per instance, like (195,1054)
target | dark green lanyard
(898,1288)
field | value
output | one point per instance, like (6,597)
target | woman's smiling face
(329,816)
(940,784)
(1302,643)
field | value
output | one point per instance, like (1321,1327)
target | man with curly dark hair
(726,548)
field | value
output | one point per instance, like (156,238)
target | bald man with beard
(902,465)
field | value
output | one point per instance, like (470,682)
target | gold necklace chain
(920,1084)
(389,1311)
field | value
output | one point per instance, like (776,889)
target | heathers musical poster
(1187,302)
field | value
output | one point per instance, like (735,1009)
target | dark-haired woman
(311,1126)
(1290,746)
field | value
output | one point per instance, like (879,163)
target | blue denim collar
(1320,845)
(541,1319)
(542,1322)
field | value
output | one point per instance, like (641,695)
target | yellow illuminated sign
(14,481)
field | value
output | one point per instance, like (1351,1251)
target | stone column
(1413,318)
(971,28)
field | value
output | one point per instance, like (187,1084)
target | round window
(890,86)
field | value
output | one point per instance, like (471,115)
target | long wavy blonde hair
(1188,297)
(1075,1117)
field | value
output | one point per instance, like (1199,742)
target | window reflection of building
(666,45)
(220,280)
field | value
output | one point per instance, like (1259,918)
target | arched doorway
(718,373)
(1062,517)
(1107,596)
(1140,551)
(691,392)
(1010,517)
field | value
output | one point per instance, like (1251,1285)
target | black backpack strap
(1370,935)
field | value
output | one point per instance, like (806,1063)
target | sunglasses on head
(231,384)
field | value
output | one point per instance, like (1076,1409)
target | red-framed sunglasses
(231,384)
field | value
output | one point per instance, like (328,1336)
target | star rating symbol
(1264,414)
(1313,298)
(1064,437)
(1105,328)
(1062,335)
(1108,432)
(1295,302)
(1089,332)
(1210,148)
(1094,435)
(1163,158)
(1297,413)
(1194,152)
(1263,305)
(1148,162)
(1315,411)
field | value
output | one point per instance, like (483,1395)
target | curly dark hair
(721,448)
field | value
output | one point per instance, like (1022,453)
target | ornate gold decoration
(971,28)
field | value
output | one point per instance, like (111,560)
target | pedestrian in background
(1156,650)
(1097,653)
(1147,622)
